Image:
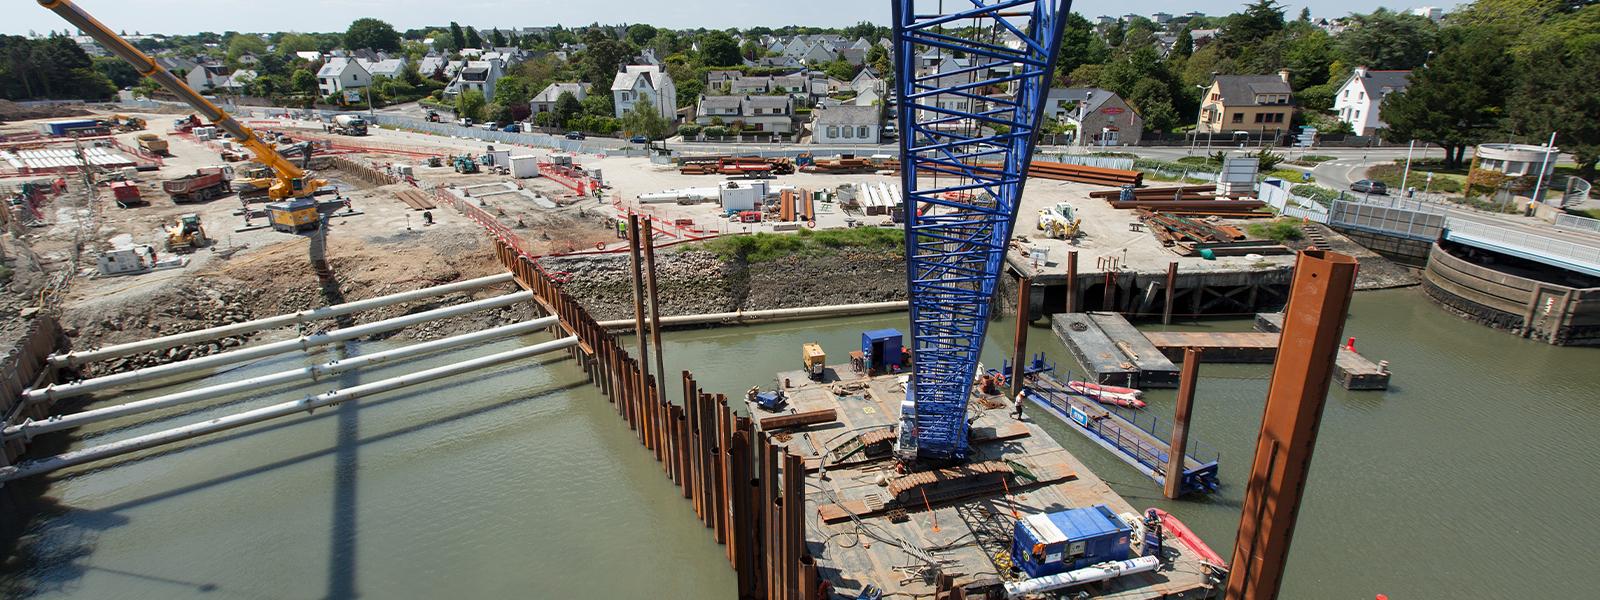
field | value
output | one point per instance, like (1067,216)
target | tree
(601,59)
(1386,40)
(372,34)
(241,45)
(496,39)
(470,104)
(643,119)
(118,71)
(1549,98)
(1243,30)
(1456,100)
(750,50)
(1079,45)
(1184,47)
(840,70)
(303,81)
(641,34)
(458,40)
(717,49)
(567,107)
(513,90)
(1305,14)
(473,39)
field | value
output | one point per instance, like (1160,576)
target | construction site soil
(698,282)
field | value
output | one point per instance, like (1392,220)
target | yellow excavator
(289,182)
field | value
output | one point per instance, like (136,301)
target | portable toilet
(880,350)
(1066,540)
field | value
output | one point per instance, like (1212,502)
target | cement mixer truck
(349,125)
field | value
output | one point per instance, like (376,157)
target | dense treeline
(52,67)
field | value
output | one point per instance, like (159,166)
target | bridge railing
(1527,244)
(1577,223)
(1413,221)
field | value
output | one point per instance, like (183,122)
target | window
(1238,117)
(1261,117)
(1277,118)
(848,131)
(833,131)
(861,132)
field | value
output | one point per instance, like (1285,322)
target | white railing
(1528,244)
(1577,223)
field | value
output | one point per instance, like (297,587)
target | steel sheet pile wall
(19,370)
(738,483)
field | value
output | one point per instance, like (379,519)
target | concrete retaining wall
(1534,309)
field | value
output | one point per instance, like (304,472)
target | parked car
(512,128)
(1368,186)
(575,135)
(491,126)
(639,139)
(464,122)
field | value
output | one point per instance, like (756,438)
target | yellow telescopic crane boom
(291,180)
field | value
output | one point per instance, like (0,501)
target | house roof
(1093,98)
(1241,90)
(846,115)
(335,66)
(767,101)
(390,67)
(553,92)
(715,76)
(720,102)
(789,81)
(630,76)
(1379,83)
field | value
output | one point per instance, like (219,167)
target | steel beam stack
(968,148)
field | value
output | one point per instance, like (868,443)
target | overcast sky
(190,16)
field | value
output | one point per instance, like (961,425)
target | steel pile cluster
(748,491)
(1189,236)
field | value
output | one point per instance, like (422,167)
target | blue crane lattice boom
(964,146)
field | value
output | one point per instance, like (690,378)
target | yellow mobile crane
(290,182)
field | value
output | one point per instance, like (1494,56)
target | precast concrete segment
(69,390)
(27,429)
(73,359)
(307,404)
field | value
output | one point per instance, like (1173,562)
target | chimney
(1284,75)
(1361,72)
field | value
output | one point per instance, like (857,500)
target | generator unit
(294,216)
(814,360)
(881,351)
(1067,540)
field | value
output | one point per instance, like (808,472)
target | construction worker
(1020,401)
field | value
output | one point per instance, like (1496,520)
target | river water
(521,481)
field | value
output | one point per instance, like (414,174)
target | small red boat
(1108,394)
(1189,538)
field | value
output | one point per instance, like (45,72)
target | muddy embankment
(692,282)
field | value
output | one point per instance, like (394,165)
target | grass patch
(1287,174)
(765,247)
(1114,154)
(1281,230)
(1390,175)
(1321,195)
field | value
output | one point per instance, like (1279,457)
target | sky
(191,16)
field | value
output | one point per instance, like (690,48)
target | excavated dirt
(11,111)
(698,282)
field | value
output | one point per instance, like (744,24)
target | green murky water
(1470,478)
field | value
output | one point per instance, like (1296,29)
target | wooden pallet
(416,199)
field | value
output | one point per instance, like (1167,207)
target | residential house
(866,80)
(1247,103)
(248,59)
(854,56)
(1095,117)
(339,74)
(719,79)
(817,54)
(309,55)
(767,114)
(479,76)
(235,82)
(204,77)
(794,85)
(648,83)
(749,85)
(845,124)
(1360,99)
(1202,37)
(176,65)
(89,46)
(862,44)
(392,68)
(545,100)
(439,67)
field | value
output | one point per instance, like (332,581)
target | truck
(349,125)
(186,124)
(187,234)
(153,144)
(206,183)
(74,127)
(126,194)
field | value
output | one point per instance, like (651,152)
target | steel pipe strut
(69,390)
(307,404)
(30,428)
(73,359)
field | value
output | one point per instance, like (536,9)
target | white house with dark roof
(845,124)
(649,83)
(392,68)
(1096,117)
(479,76)
(206,76)
(767,114)
(545,100)
(339,74)
(1360,100)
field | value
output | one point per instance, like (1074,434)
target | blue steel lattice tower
(971,77)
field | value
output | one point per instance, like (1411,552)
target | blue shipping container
(1057,542)
(67,126)
(880,350)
